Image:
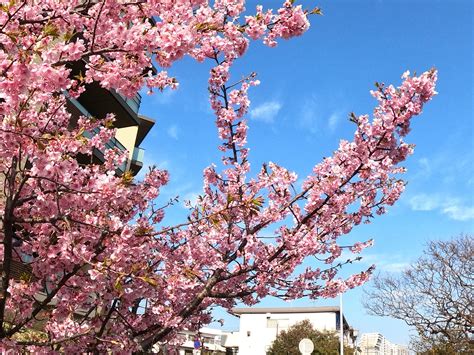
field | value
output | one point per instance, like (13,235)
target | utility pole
(341,325)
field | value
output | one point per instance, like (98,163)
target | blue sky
(299,113)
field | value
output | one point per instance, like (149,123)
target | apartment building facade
(207,341)
(377,344)
(131,130)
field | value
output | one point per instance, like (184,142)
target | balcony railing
(134,102)
(138,154)
(78,105)
(111,144)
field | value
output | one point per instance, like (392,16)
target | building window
(272,323)
(278,324)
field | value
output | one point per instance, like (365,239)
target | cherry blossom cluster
(103,273)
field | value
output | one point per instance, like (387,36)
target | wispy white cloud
(334,120)
(431,167)
(470,181)
(423,202)
(394,266)
(164,97)
(148,162)
(452,207)
(173,131)
(186,193)
(173,190)
(317,115)
(266,112)
(190,199)
(309,115)
(385,262)
(424,167)
(459,212)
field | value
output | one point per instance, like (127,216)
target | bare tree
(434,295)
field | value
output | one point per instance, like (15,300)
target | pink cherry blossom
(103,270)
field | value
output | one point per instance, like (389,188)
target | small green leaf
(80,77)
(68,35)
(127,178)
(316,11)
(258,201)
(118,284)
(149,280)
(50,30)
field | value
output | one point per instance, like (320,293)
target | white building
(260,326)
(209,339)
(377,344)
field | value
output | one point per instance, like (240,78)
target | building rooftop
(238,311)
(146,124)
(282,310)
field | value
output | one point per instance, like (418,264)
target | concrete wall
(127,136)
